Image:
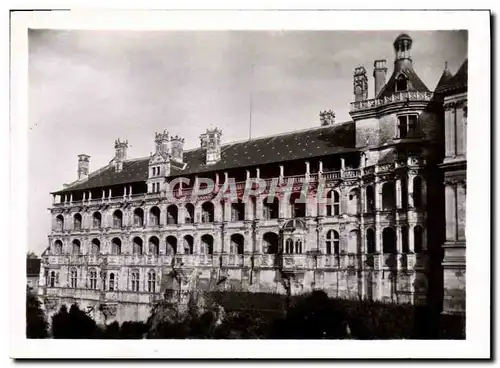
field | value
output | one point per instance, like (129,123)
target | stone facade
(371,225)
(455,180)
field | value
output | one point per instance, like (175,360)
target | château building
(372,224)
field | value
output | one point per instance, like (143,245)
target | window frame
(411,131)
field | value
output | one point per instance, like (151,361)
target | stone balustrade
(396,97)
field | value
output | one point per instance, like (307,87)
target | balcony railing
(394,98)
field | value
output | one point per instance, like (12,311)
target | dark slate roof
(33,266)
(458,81)
(414,83)
(444,80)
(314,142)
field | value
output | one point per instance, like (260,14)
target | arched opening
(58,247)
(154,216)
(271,243)
(76,247)
(289,246)
(59,223)
(73,278)
(189,213)
(116,246)
(270,208)
(134,278)
(188,244)
(171,245)
(417,191)
(95,246)
(298,246)
(370,241)
(96,220)
(388,196)
(207,244)
(418,238)
(404,192)
(370,199)
(401,83)
(389,241)
(237,244)
(138,217)
(404,239)
(353,202)
(154,245)
(207,212)
(112,281)
(151,281)
(298,205)
(137,245)
(238,210)
(77,222)
(117,219)
(93,278)
(332,242)
(333,203)
(172,212)
(52,279)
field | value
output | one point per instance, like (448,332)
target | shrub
(36,323)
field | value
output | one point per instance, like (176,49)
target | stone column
(257,173)
(411,239)
(411,176)
(260,207)
(451,212)
(453,133)
(308,172)
(282,172)
(377,190)
(399,203)
(461,210)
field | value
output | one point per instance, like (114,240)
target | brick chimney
(177,148)
(83,166)
(379,75)
(210,142)
(120,154)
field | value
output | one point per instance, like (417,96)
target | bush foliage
(233,315)
(36,323)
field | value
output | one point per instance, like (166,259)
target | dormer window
(401,83)
(407,126)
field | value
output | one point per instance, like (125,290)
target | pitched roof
(313,142)
(458,81)
(33,266)
(414,83)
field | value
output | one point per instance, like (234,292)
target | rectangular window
(407,126)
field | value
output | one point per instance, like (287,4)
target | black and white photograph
(236,184)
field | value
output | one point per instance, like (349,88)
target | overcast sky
(87,88)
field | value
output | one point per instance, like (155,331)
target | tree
(36,323)
(31,255)
(73,325)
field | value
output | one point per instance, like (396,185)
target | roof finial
(445,65)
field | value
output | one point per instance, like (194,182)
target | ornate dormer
(159,163)
(211,143)
(177,148)
(360,84)
(120,154)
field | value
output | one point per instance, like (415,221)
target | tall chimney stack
(83,166)
(379,74)
(360,84)
(120,154)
